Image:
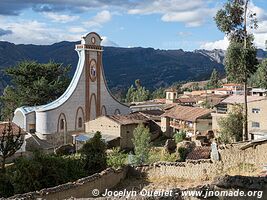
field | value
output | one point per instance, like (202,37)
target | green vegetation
(10,142)
(158,93)
(231,126)
(33,84)
(93,154)
(160,141)
(6,187)
(259,79)
(240,60)
(116,158)
(44,171)
(214,81)
(159,154)
(137,93)
(141,142)
(182,153)
(179,136)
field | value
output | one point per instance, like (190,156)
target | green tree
(240,60)
(10,142)
(214,81)
(94,155)
(137,93)
(141,142)
(259,79)
(116,158)
(44,170)
(158,93)
(231,126)
(34,84)
(179,136)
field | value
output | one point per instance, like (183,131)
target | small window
(62,124)
(80,122)
(255,125)
(255,110)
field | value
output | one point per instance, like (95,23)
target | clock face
(93,70)
(93,40)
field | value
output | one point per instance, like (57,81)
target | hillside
(122,66)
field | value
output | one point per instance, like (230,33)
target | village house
(257,109)
(118,129)
(193,120)
(258,92)
(230,88)
(146,105)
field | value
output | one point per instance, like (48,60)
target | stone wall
(81,188)
(231,156)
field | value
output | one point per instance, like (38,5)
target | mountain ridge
(154,67)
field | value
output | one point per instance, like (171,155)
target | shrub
(6,187)
(179,136)
(141,143)
(159,154)
(182,153)
(93,154)
(116,159)
(231,126)
(44,171)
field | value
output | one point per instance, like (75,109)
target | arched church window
(80,122)
(62,124)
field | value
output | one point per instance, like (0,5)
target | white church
(86,98)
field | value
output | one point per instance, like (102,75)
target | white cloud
(60,17)
(260,34)
(107,42)
(34,32)
(77,30)
(191,12)
(99,19)
(219,44)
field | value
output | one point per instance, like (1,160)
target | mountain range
(154,67)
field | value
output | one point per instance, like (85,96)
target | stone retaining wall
(231,156)
(81,188)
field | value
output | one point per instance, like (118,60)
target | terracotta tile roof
(133,118)
(223,89)
(232,84)
(186,100)
(15,128)
(240,99)
(170,90)
(187,113)
(199,153)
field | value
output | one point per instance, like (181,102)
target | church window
(80,122)
(62,124)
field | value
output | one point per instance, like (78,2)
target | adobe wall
(81,188)
(231,157)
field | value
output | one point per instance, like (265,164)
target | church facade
(86,98)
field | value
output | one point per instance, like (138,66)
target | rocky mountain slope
(122,66)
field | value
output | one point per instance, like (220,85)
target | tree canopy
(137,93)
(33,84)
(231,127)
(214,81)
(141,141)
(240,61)
(93,154)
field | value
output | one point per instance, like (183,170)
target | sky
(160,24)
